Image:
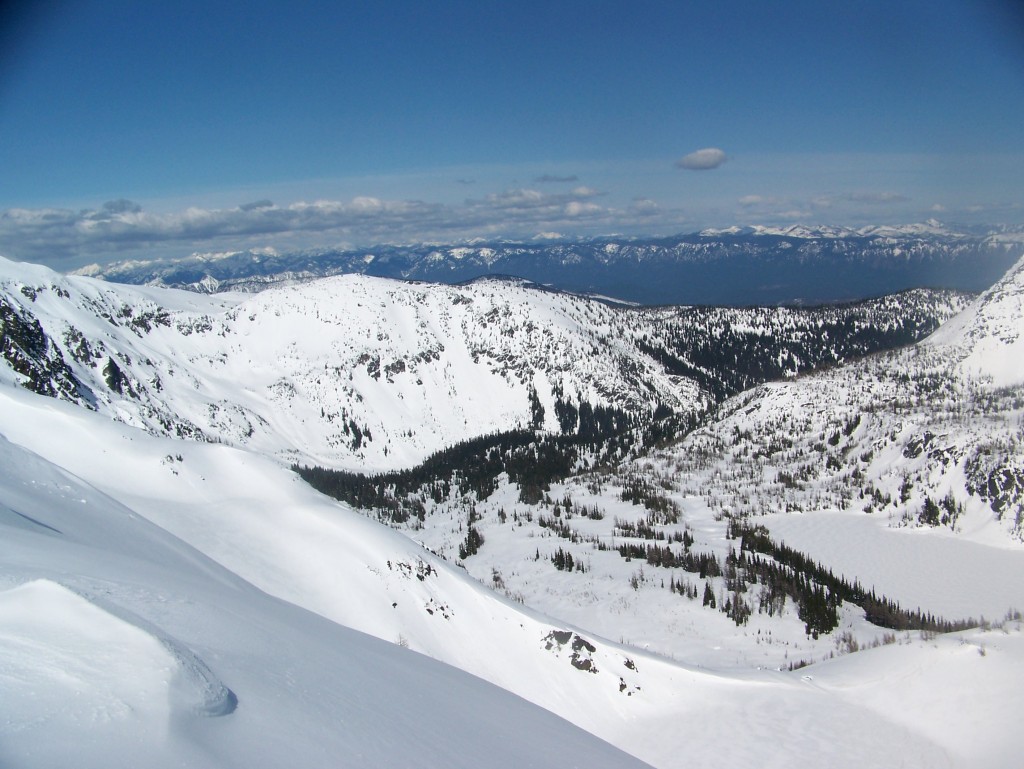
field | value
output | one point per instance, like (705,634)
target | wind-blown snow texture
(119,645)
(232,588)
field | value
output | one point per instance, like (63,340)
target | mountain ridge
(661,544)
(734,266)
(369,372)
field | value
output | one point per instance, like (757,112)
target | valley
(737,515)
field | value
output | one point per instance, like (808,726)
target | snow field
(118,642)
(246,581)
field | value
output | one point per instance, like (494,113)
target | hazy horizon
(133,131)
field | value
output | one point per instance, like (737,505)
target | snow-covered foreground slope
(213,671)
(122,646)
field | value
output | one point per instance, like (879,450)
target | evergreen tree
(709,595)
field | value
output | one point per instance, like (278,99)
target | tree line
(784,574)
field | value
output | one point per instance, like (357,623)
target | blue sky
(130,129)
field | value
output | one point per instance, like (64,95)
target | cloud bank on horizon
(67,238)
(301,127)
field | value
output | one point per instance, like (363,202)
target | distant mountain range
(738,266)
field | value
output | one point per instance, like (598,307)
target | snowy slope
(891,434)
(350,371)
(368,373)
(213,671)
(265,525)
(122,646)
(227,581)
(988,338)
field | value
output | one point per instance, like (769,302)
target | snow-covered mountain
(350,371)
(871,451)
(734,266)
(146,436)
(369,373)
(927,436)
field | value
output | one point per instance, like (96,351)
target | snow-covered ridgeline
(893,434)
(350,371)
(367,373)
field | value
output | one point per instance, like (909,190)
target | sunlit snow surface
(122,646)
(308,687)
(71,669)
(300,371)
(231,591)
(990,335)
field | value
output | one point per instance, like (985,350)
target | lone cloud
(702,160)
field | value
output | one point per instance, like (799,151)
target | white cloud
(119,229)
(366,205)
(519,206)
(644,207)
(760,201)
(53,234)
(576,208)
(58,236)
(702,160)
